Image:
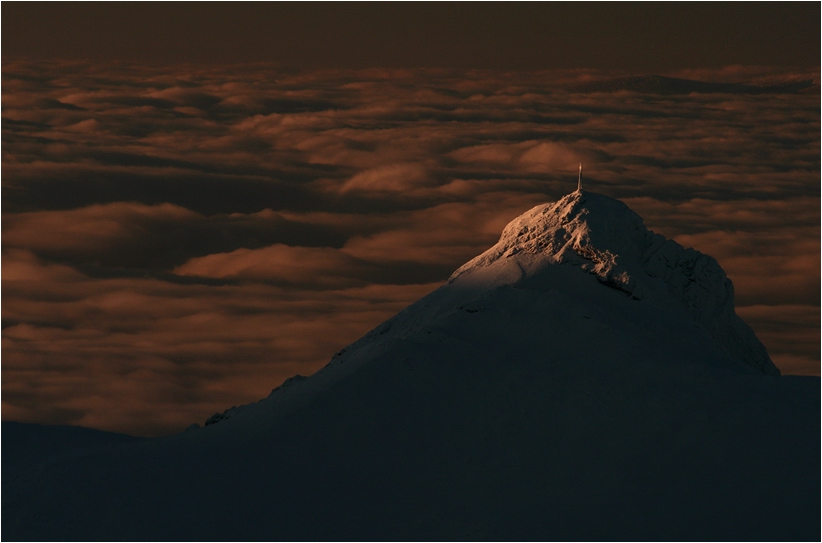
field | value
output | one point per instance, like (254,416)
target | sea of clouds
(177,240)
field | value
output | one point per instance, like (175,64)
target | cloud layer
(177,241)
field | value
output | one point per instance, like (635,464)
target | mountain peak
(602,236)
(582,224)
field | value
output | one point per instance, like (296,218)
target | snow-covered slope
(582,379)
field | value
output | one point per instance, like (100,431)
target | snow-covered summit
(581,224)
(604,237)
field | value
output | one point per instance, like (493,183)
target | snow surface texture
(583,379)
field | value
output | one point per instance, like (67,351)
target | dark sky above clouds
(180,238)
(501,35)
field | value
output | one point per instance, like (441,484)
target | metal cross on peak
(579,180)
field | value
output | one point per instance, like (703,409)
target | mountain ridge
(528,398)
(584,233)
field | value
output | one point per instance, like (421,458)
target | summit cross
(579,180)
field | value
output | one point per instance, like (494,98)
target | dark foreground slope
(573,382)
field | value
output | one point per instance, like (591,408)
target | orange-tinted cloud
(529,156)
(393,178)
(97,228)
(317,267)
(147,356)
